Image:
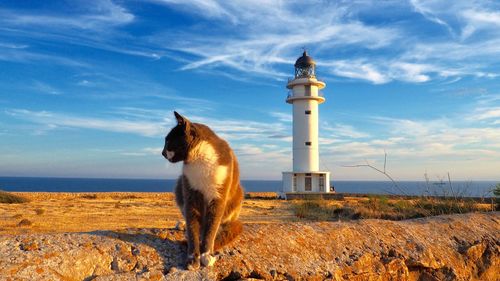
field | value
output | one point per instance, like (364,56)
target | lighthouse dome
(304,61)
(305,67)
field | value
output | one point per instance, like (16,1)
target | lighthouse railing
(290,94)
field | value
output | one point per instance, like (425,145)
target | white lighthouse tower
(305,98)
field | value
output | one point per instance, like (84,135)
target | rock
(180,225)
(135,251)
(273,273)
(420,249)
(29,246)
(476,251)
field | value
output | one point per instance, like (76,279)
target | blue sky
(87,88)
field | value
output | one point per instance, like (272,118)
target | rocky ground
(455,247)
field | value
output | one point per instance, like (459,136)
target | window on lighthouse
(308,143)
(308,112)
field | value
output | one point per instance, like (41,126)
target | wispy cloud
(205,8)
(139,127)
(252,158)
(357,69)
(150,123)
(237,43)
(461,18)
(421,139)
(238,130)
(344,131)
(147,151)
(97,14)
(45,88)
(262,47)
(484,113)
(24,55)
(281,116)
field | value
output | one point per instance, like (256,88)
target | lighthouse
(305,98)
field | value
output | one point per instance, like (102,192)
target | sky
(88,88)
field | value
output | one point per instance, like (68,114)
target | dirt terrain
(132,236)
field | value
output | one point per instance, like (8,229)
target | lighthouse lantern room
(305,97)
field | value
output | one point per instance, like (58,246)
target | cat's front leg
(193,237)
(211,223)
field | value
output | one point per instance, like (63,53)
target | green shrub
(496,190)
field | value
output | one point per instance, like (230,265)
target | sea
(436,188)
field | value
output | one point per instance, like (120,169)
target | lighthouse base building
(306,182)
(305,97)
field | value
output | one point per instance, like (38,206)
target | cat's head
(178,139)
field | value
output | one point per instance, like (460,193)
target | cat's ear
(181,120)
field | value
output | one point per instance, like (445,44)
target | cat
(208,192)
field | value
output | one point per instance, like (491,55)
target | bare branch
(380,171)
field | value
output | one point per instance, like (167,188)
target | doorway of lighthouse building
(321,182)
(308,182)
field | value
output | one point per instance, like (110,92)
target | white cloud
(485,113)
(139,127)
(283,117)
(343,131)
(147,151)
(411,72)
(239,44)
(429,8)
(356,69)
(151,123)
(45,88)
(259,46)
(253,157)
(205,8)
(24,55)
(97,14)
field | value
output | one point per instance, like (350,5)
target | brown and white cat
(208,192)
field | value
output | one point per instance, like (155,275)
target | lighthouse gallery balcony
(320,98)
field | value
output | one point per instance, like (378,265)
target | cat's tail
(227,233)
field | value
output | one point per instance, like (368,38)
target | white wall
(301,177)
(305,129)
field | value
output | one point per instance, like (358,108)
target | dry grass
(25,222)
(9,198)
(380,207)
(261,195)
(81,212)
(89,196)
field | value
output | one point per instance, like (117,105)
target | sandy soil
(82,212)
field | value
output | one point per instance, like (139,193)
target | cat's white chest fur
(203,172)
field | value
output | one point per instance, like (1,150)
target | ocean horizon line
(67,184)
(250,179)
